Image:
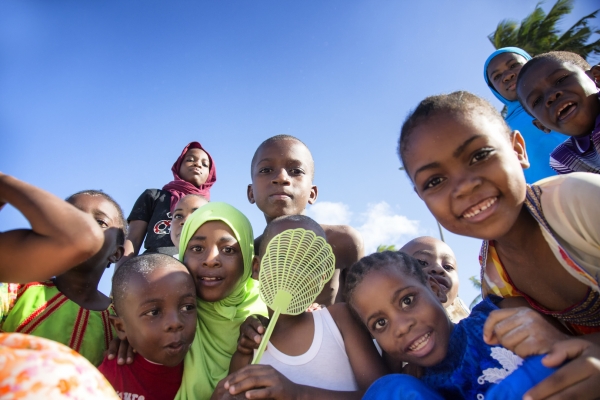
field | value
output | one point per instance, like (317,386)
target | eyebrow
(98,212)
(424,252)
(459,150)
(222,239)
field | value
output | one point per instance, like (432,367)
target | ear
(250,194)
(540,126)
(255,267)
(117,323)
(116,256)
(436,289)
(313,194)
(518,144)
(594,74)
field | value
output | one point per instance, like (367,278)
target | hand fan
(293,271)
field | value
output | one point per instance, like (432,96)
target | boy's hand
(120,348)
(261,382)
(577,379)
(221,393)
(521,330)
(251,332)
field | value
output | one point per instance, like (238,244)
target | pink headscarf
(179,188)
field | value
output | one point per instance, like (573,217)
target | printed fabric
(33,368)
(578,154)
(570,223)
(42,310)
(153,207)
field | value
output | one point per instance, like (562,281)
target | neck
(521,235)
(80,284)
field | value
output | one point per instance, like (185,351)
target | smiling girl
(216,245)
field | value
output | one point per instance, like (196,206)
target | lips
(479,208)
(444,283)
(420,344)
(210,280)
(565,110)
(176,347)
(280,196)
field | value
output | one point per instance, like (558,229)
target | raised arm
(60,237)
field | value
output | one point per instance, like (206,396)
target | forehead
(536,73)
(195,152)
(213,228)
(433,138)
(86,202)
(157,283)
(385,282)
(501,60)
(432,245)
(284,150)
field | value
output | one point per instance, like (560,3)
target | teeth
(483,207)
(206,278)
(420,343)
(563,107)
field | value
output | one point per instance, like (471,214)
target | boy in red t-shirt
(158,322)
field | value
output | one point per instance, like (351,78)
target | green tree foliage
(384,247)
(538,33)
(477,284)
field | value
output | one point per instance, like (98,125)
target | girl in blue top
(500,73)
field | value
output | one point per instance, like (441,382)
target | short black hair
(122,222)
(562,57)
(457,103)
(378,261)
(303,219)
(278,138)
(139,265)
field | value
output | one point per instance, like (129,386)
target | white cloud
(330,213)
(383,226)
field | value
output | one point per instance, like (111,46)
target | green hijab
(217,332)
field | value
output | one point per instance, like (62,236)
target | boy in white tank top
(325,354)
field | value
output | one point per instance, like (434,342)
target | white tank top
(325,365)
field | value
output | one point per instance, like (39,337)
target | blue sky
(104,95)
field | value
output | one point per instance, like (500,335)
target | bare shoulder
(340,312)
(346,241)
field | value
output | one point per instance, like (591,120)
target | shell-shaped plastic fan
(293,271)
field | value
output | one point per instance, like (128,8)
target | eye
(197,249)
(433,182)
(481,155)
(265,170)
(205,164)
(102,223)
(296,171)
(188,307)
(496,77)
(536,101)
(152,313)
(449,267)
(380,324)
(561,79)
(229,250)
(423,263)
(407,301)
(178,216)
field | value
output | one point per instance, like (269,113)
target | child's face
(107,216)
(561,96)
(468,173)
(183,209)
(214,258)
(503,71)
(195,166)
(405,317)
(159,314)
(438,260)
(282,179)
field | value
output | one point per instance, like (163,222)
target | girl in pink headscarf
(194,172)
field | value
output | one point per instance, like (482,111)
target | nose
(182,222)
(212,259)
(552,97)
(466,185)
(281,177)
(508,75)
(435,269)
(403,325)
(173,322)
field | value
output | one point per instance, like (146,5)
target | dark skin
(80,284)
(282,174)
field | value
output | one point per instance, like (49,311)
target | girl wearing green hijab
(217,246)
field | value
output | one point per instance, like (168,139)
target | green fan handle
(265,339)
